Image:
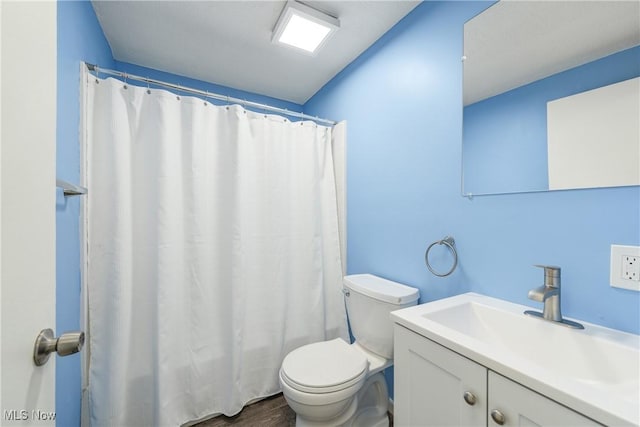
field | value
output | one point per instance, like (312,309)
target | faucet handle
(551,275)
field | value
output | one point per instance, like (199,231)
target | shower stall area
(214,242)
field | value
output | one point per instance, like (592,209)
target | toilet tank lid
(381,289)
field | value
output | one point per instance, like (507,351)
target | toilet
(333,383)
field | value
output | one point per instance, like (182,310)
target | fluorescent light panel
(303,27)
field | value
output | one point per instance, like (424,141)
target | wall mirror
(551,96)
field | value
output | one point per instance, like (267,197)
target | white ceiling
(229,42)
(516,42)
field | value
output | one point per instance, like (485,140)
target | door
(27,208)
(435,386)
(511,404)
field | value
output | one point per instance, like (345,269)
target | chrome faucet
(549,295)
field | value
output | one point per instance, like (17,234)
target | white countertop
(594,371)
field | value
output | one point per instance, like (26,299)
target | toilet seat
(324,367)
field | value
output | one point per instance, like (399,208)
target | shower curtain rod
(229,99)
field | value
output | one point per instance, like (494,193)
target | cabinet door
(431,381)
(523,407)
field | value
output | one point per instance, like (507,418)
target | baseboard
(391,406)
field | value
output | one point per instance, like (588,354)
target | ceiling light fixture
(304,27)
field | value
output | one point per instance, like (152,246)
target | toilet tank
(369,301)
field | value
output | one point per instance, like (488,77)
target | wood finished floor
(270,412)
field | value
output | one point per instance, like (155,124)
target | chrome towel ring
(449,243)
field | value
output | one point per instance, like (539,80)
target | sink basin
(596,370)
(584,357)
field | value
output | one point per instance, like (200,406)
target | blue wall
(402,100)
(79,38)
(505,136)
(211,87)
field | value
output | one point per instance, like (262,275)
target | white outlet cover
(617,280)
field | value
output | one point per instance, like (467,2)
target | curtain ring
(450,243)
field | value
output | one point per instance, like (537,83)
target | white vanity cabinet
(521,406)
(435,386)
(430,384)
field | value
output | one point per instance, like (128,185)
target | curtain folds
(213,250)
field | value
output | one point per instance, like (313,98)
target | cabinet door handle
(470,398)
(498,417)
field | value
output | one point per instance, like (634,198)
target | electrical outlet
(625,267)
(631,267)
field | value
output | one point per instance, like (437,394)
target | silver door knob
(498,417)
(469,397)
(66,344)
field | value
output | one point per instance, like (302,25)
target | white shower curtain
(213,250)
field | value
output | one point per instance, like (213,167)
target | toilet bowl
(325,382)
(320,380)
(333,383)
